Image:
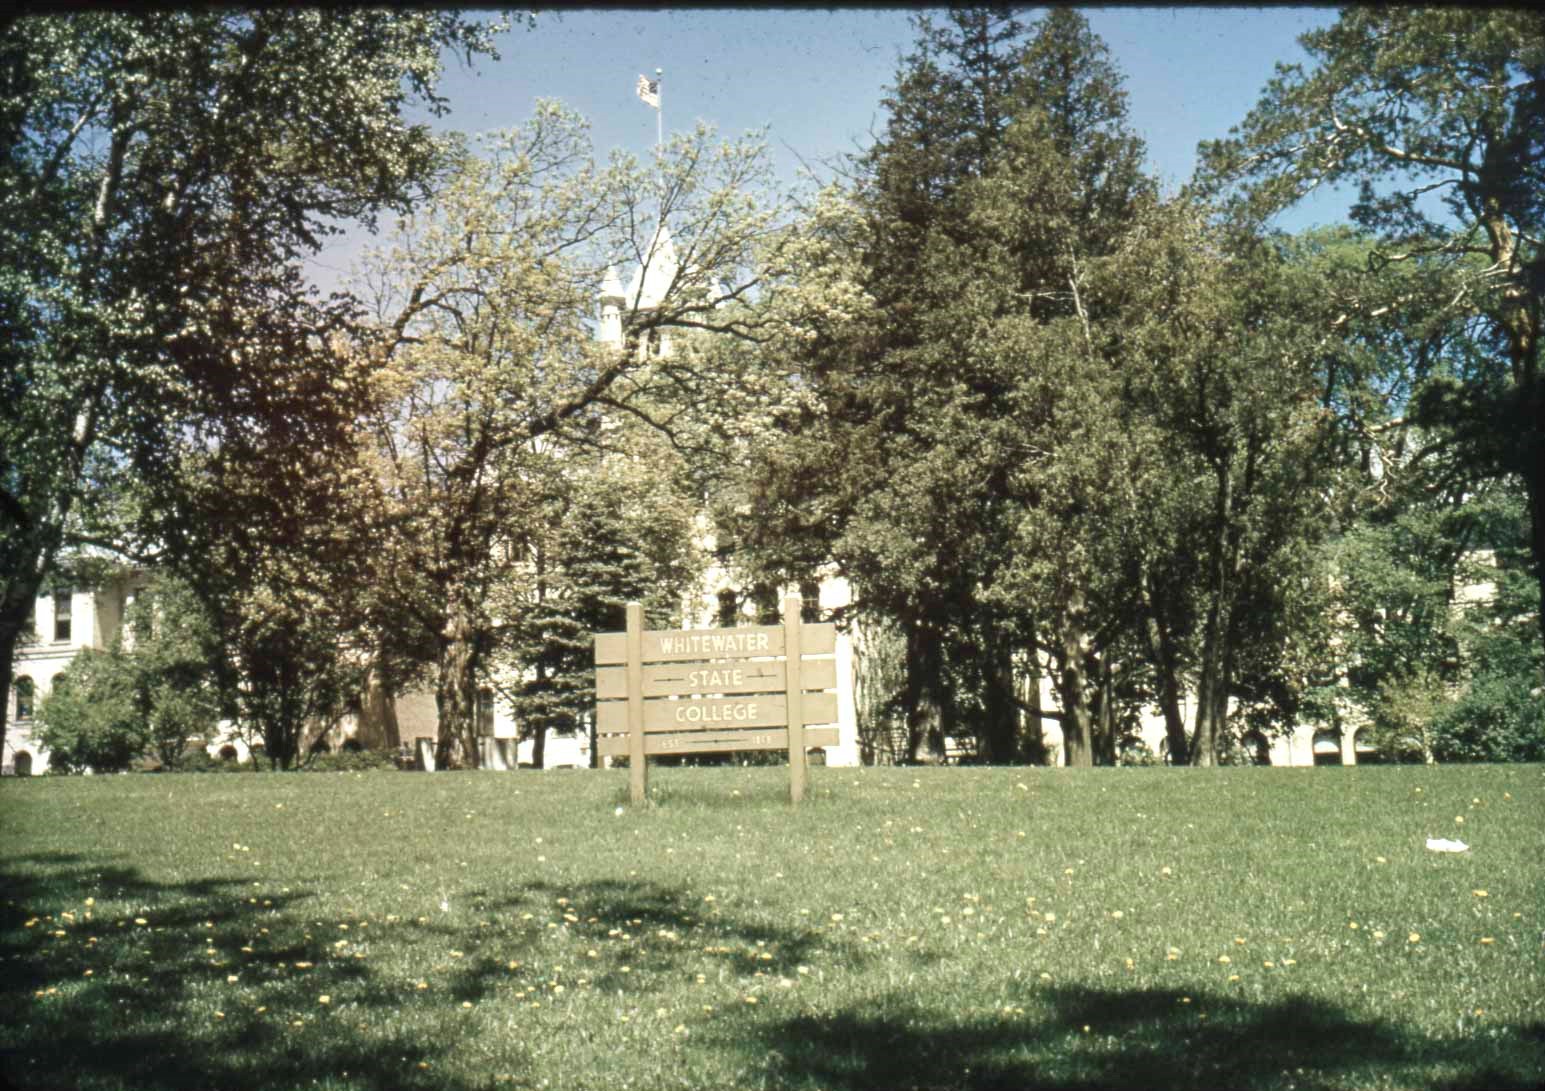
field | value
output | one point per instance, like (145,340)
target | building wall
(95,618)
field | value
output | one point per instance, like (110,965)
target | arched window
(1257,749)
(23,763)
(228,753)
(729,608)
(1327,748)
(26,697)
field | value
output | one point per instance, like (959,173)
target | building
(65,621)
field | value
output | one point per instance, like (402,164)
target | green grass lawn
(932,928)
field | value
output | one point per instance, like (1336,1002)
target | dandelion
(1233,977)
(141,921)
(1414,937)
(231,979)
(1224,959)
(1380,860)
(466,1003)
(1459,820)
(1487,941)
(1116,915)
(422,985)
(324,999)
(1479,893)
(1166,871)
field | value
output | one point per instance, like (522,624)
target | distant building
(65,621)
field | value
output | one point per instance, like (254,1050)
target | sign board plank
(716,713)
(725,676)
(677,645)
(710,742)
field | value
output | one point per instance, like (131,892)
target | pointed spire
(611,288)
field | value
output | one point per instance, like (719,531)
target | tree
(961,420)
(163,174)
(492,373)
(622,529)
(90,718)
(1438,117)
(147,694)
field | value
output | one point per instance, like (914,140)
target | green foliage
(351,761)
(147,696)
(92,717)
(163,176)
(495,395)
(1436,115)
(620,530)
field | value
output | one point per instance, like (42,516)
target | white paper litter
(1443,844)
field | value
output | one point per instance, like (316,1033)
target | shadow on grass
(1137,1039)
(146,1016)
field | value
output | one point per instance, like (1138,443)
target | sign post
(715,691)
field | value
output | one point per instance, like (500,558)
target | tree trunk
(1035,727)
(1204,744)
(539,746)
(17,611)
(1077,731)
(378,728)
(1165,658)
(1001,735)
(920,696)
(456,690)
(1103,713)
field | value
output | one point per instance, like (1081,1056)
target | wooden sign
(714,691)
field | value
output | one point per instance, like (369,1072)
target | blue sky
(814,79)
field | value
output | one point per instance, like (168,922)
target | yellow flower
(1224,959)
(1487,941)
(324,999)
(1414,937)
(1479,893)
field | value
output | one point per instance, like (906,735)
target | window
(62,616)
(729,608)
(765,597)
(485,711)
(26,694)
(810,601)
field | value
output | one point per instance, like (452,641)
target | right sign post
(670,691)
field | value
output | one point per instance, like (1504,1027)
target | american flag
(649,91)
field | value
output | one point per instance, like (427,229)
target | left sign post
(638,765)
